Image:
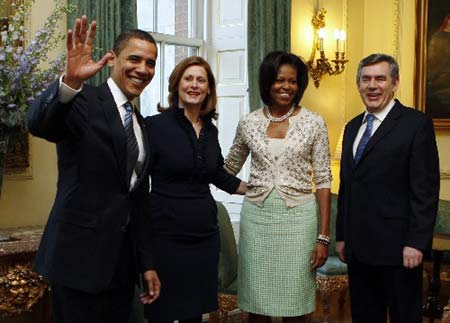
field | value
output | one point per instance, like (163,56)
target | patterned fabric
(132,146)
(306,155)
(275,246)
(365,138)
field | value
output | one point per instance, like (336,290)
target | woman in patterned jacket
(279,248)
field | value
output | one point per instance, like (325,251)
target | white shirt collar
(381,115)
(117,94)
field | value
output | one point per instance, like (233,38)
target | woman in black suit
(185,157)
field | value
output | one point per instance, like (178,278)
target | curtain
(112,17)
(269,28)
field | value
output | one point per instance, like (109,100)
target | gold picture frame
(432,70)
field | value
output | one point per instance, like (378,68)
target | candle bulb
(321,37)
(343,37)
(336,37)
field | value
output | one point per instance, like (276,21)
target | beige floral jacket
(305,159)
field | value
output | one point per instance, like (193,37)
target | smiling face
(376,86)
(285,87)
(134,67)
(193,87)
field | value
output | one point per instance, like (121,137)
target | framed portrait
(432,70)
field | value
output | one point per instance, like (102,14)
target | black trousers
(112,305)
(376,291)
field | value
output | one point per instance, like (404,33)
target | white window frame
(199,25)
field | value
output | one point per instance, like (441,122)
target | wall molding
(445,174)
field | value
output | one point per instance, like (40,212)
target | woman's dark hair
(268,73)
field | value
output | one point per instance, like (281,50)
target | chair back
(443,217)
(228,249)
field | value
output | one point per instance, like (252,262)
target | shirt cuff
(65,92)
(326,184)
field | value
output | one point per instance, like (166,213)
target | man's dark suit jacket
(87,224)
(389,199)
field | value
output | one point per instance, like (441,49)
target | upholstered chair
(228,261)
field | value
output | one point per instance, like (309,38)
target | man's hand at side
(412,257)
(153,287)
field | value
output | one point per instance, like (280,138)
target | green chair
(228,262)
(332,276)
(435,274)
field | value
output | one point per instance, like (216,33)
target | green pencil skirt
(275,246)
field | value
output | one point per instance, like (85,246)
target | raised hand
(80,65)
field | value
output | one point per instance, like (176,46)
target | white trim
(177,40)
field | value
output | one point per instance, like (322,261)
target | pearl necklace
(282,118)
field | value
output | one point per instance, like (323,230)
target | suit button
(123,228)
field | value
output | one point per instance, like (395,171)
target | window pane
(145,14)
(175,18)
(151,95)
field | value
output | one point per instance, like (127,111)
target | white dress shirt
(379,117)
(66,93)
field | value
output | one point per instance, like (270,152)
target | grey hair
(377,58)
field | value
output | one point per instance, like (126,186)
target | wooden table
(441,244)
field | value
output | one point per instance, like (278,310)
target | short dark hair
(268,73)
(378,58)
(124,37)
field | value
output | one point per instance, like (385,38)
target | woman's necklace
(282,118)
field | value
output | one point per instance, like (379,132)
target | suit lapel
(349,139)
(117,131)
(145,166)
(385,127)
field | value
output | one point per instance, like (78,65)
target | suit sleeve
(144,223)
(143,230)
(54,121)
(238,153)
(424,187)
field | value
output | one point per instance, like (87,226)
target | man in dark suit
(88,249)
(388,198)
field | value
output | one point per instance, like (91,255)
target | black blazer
(81,242)
(389,199)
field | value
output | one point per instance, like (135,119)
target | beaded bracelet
(323,239)
(325,243)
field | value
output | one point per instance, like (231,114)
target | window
(177,26)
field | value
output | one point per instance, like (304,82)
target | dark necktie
(365,138)
(132,146)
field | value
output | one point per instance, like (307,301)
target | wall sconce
(323,65)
